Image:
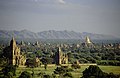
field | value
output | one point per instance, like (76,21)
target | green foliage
(41,74)
(25,74)
(54,75)
(92,60)
(60,70)
(109,62)
(95,72)
(47,60)
(46,76)
(111,75)
(3,62)
(63,71)
(9,75)
(6,52)
(31,63)
(68,75)
(118,58)
(9,68)
(75,66)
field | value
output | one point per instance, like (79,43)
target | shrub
(96,72)
(46,76)
(41,73)
(93,72)
(59,70)
(75,66)
(68,75)
(25,74)
(9,68)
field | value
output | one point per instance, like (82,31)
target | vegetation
(63,71)
(75,66)
(109,56)
(102,54)
(8,71)
(40,71)
(96,72)
(25,74)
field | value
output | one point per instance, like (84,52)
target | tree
(9,68)
(47,60)
(31,63)
(75,66)
(25,74)
(7,53)
(68,75)
(63,71)
(60,71)
(46,76)
(41,74)
(9,75)
(3,62)
(94,72)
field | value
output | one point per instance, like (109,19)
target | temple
(60,57)
(88,42)
(16,57)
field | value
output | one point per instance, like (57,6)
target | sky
(94,16)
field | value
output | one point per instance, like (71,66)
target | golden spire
(87,40)
(59,49)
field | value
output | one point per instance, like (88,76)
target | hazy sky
(95,16)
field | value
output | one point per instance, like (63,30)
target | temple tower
(60,57)
(16,57)
(88,42)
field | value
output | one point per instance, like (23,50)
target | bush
(46,76)
(68,75)
(83,60)
(63,71)
(113,63)
(118,58)
(41,73)
(111,75)
(102,63)
(76,66)
(96,72)
(59,70)
(25,74)
(69,70)
(93,72)
(9,75)
(9,68)
(90,59)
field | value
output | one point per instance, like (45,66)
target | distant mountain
(52,34)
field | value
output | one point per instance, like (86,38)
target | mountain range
(52,34)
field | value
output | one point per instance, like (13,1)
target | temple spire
(87,40)
(59,49)
(13,42)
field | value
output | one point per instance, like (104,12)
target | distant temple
(37,44)
(60,57)
(16,58)
(22,43)
(88,42)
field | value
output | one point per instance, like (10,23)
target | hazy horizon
(93,16)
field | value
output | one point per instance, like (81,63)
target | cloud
(61,1)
